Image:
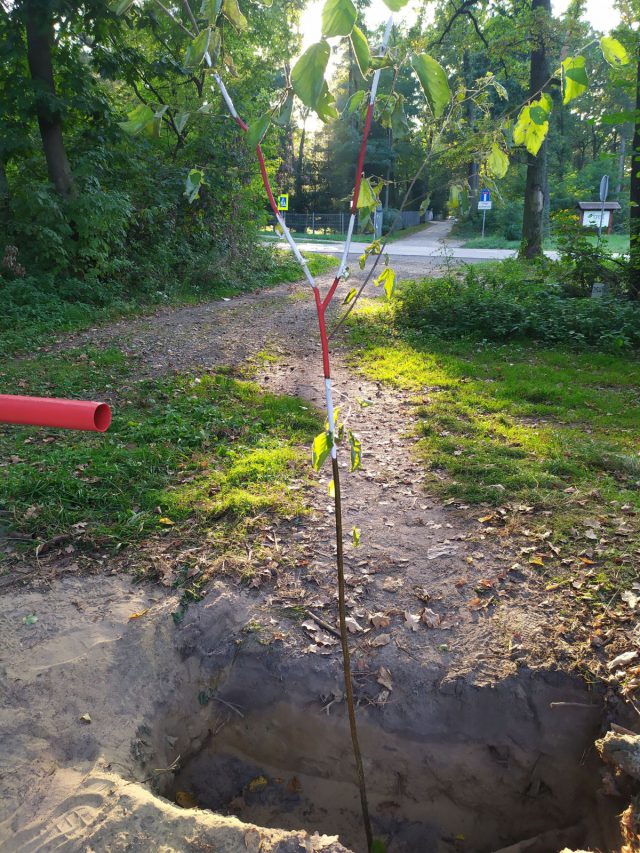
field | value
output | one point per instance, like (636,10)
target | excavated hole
(450,766)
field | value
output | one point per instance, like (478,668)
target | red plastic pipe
(50,412)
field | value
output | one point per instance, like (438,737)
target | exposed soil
(475,734)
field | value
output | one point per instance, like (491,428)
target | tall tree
(38,18)
(536,184)
(634,193)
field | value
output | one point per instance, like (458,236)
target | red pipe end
(102,417)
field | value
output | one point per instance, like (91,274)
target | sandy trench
(69,784)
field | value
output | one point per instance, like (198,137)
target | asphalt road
(431,243)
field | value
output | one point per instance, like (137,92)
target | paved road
(433,243)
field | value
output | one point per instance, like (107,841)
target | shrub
(514,300)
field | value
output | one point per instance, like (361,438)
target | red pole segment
(51,412)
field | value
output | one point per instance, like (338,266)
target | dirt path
(75,785)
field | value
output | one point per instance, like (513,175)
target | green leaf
(195,180)
(121,7)
(307,76)
(497,162)
(537,114)
(614,52)
(283,116)
(356,100)
(361,50)
(434,82)
(231,11)
(332,489)
(321,449)
(367,196)
(395,5)
(338,18)
(326,105)
(381,62)
(350,296)
(574,78)
(455,194)
(180,121)
(257,130)
(355,533)
(399,122)
(209,10)
(356,452)
(528,132)
(197,49)
(153,128)
(387,278)
(378,846)
(137,119)
(373,248)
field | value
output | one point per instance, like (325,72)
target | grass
(617,243)
(199,451)
(32,317)
(519,424)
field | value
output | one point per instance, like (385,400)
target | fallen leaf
(392,584)
(352,625)
(139,614)
(622,660)
(486,518)
(257,784)
(186,800)
(381,640)
(31,619)
(85,718)
(384,678)
(460,583)
(536,561)
(430,618)
(631,599)
(379,620)
(166,521)
(412,622)
(476,604)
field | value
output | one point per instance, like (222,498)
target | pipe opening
(102,417)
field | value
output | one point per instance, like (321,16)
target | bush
(515,300)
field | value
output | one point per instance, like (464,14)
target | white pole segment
(331,417)
(347,245)
(376,76)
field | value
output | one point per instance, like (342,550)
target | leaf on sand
(139,614)
(430,618)
(379,620)
(258,783)
(384,678)
(536,560)
(186,800)
(412,621)
(352,626)
(253,840)
(381,640)
(85,718)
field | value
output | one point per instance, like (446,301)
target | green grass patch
(522,424)
(309,237)
(183,450)
(616,243)
(37,310)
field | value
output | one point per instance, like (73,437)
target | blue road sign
(485,195)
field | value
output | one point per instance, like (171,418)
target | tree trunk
(39,27)
(473,169)
(4,192)
(534,195)
(634,198)
(622,153)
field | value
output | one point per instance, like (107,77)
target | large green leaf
(361,50)
(180,121)
(231,11)
(326,105)
(338,18)
(209,10)
(307,76)
(257,130)
(321,449)
(395,5)
(195,180)
(137,119)
(356,452)
(434,82)
(497,162)
(529,133)
(367,196)
(614,52)
(283,116)
(355,101)
(197,49)
(388,279)
(574,78)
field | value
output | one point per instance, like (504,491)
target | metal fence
(333,223)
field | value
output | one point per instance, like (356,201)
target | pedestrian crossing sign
(283,201)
